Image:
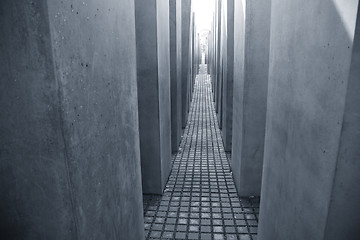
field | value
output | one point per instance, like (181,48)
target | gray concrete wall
(164,86)
(238,92)
(228,74)
(344,210)
(153,77)
(217,54)
(192,56)
(68,100)
(311,141)
(212,53)
(185,57)
(191,61)
(222,54)
(36,197)
(250,93)
(175,73)
(179,66)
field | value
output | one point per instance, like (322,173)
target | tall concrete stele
(218,55)
(175,73)
(239,69)
(185,58)
(153,77)
(251,64)
(312,156)
(69,162)
(212,53)
(193,55)
(221,66)
(228,72)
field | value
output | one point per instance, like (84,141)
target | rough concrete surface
(344,210)
(228,73)
(185,58)
(218,61)
(153,77)
(192,70)
(250,93)
(69,134)
(164,87)
(175,73)
(310,142)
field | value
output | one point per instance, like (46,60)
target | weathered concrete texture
(218,55)
(222,54)
(175,73)
(206,58)
(68,99)
(192,70)
(212,54)
(251,61)
(153,72)
(228,73)
(344,210)
(311,167)
(197,53)
(185,58)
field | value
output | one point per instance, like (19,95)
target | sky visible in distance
(203,13)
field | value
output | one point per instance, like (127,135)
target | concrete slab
(311,138)
(344,210)
(153,77)
(212,56)
(68,100)
(251,64)
(175,73)
(218,55)
(220,74)
(228,73)
(191,61)
(185,57)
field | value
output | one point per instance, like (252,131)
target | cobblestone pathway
(200,199)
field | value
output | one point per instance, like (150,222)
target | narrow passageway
(200,200)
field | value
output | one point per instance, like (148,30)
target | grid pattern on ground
(200,200)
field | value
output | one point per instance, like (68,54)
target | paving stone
(218,229)
(205,236)
(244,237)
(181,228)
(168,235)
(155,234)
(219,237)
(242,230)
(180,235)
(230,230)
(170,228)
(205,221)
(231,236)
(193,228)
(205,229)
(193,236)
(200,199)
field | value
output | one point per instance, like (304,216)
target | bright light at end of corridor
(203,13)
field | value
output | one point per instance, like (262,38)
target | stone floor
(200,199)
